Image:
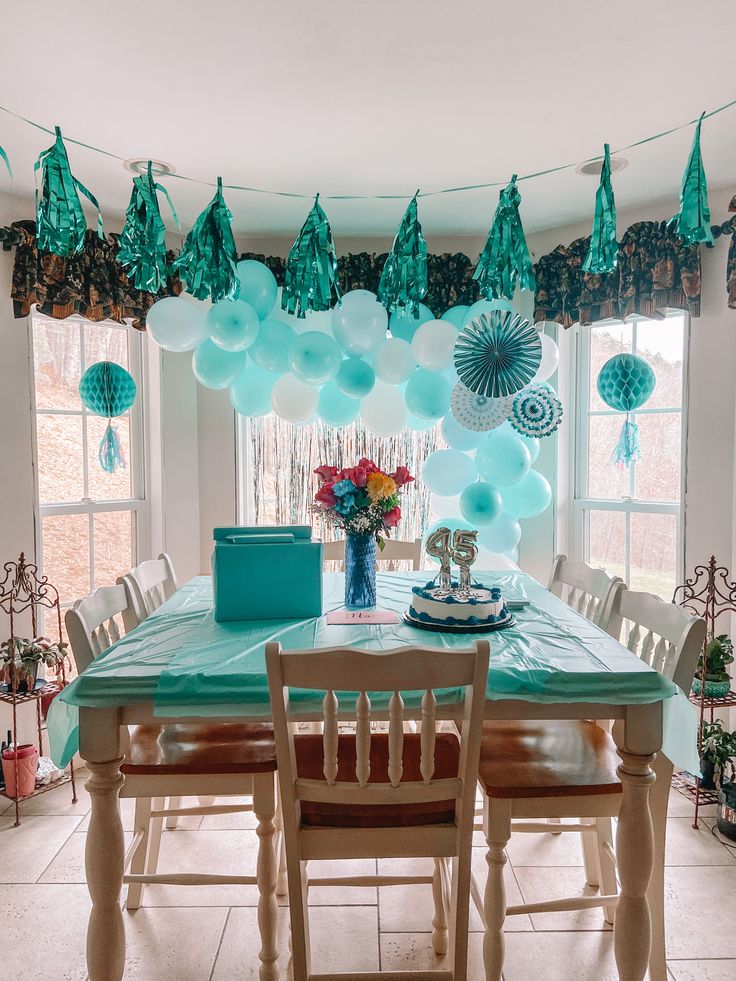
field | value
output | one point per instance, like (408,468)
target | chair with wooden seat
(589,591)
(368,795)
(568,769)
(175,760)
(393,552)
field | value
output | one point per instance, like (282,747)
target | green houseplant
(718,654)
(717,753)
(21,658)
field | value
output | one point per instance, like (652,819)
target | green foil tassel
(4,155)
(403,280)
(692,223)
(208,258)
(310,277)
(602,255)
(60,221)
(627,450)
(505,258)
(142,247)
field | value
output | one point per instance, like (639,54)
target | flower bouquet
(364,502)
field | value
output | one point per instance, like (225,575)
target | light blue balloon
(454,524)
(257,286)
(456,315)
(531,442)
(314,357)
(271,348)
(502,459)
(419,425)
(215,368)
(250,393)
(233,324)
(404,325)
(427,394)
(485,306)
(176,324)
(336,408)
(458,437)
(447,472)
(355,377)
(502,535)
(513,554)
(530,497)
(480,503)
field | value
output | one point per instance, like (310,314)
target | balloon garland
(108,390)
(625,382)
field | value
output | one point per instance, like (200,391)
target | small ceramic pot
(21,762)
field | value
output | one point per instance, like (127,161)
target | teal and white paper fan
(479,412)
(536,411)
(498,353)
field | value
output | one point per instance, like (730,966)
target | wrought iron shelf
(727,701)
(31,696)
(688,787)
(43,789)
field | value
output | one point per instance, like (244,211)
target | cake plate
(456,628)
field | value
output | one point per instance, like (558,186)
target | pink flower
(326,474)
(402,476)
(325,497)
(356,475)
(368,465)
(392,518)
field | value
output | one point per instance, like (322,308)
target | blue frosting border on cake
(453,622)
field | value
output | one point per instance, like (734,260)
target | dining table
(180,664)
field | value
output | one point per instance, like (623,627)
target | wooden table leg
(638,739)
(100,747)
(264,806)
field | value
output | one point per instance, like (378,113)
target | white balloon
(294,400)
(177,324)
(287,318)
(433,344)
(319,320)
(444,507)
(384,410)
(550,360)
(394,361)
(359,323)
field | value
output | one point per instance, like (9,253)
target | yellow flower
(380,486)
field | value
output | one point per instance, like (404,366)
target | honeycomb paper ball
(625,382)
(107,389)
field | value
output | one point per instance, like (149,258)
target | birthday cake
(476,606)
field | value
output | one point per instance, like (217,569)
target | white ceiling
(371,97)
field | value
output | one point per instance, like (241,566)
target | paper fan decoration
(479,412)
(536,411)
(498,353)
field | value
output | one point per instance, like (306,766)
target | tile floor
(210,933)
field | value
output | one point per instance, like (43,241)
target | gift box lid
(264,535)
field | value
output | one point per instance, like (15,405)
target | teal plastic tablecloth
(187,664)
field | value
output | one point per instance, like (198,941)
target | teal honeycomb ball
(107,389)
(625,382)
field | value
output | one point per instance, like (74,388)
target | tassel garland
(602,255)
(60,221)
(505,259)
(692,223)
(111,452)
(627,450)
(403,280)
(208,259)
(142,247)
(4,156)
(310,277)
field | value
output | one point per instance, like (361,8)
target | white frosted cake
(478,606)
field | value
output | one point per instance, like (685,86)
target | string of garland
(403,280)
(60,221)
(310,276)
(4,155)
(208,257)
(505,258)
(142,247)
(603,252)
(692,223)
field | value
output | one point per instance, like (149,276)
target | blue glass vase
(360,572)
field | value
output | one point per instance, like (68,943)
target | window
(629,521)
(91,525)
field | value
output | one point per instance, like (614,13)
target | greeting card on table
(362,616)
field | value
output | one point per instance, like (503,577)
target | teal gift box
(266,573)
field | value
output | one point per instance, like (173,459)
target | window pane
(56,364)
(658,471)
(104,486)
(66,554)
(605,341)
(60,458)
(605,479)
(607,541)
(654,553)
(105,343)
(114,534)
(660,342)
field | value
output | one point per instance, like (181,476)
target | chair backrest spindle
(591,592)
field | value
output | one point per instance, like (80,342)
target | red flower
(326,474)
(392,518)
(402,476)
(325,497)
(368,465)
(357,475)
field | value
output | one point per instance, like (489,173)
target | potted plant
(20,659)
(717,752)
(718,653)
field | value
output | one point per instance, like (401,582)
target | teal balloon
(336,408)
(625,382)
(271,348)
(484,306)
(427,394)
(403,324)
(502,535)
(530,497)
(355,377)
(314,357)
(458,437)
(233,324)
(456,315)
(480,503)
(448,472)
(107,389)
(454,524)
(502,458)
(215,368)
(250,393)
(419,425)
(257,286)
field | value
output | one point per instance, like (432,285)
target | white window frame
(138,503)
(582,504)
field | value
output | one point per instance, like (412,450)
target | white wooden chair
(393,552)
(559,769)
(368,795)
(589,591)
(185,760)
(149,585)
